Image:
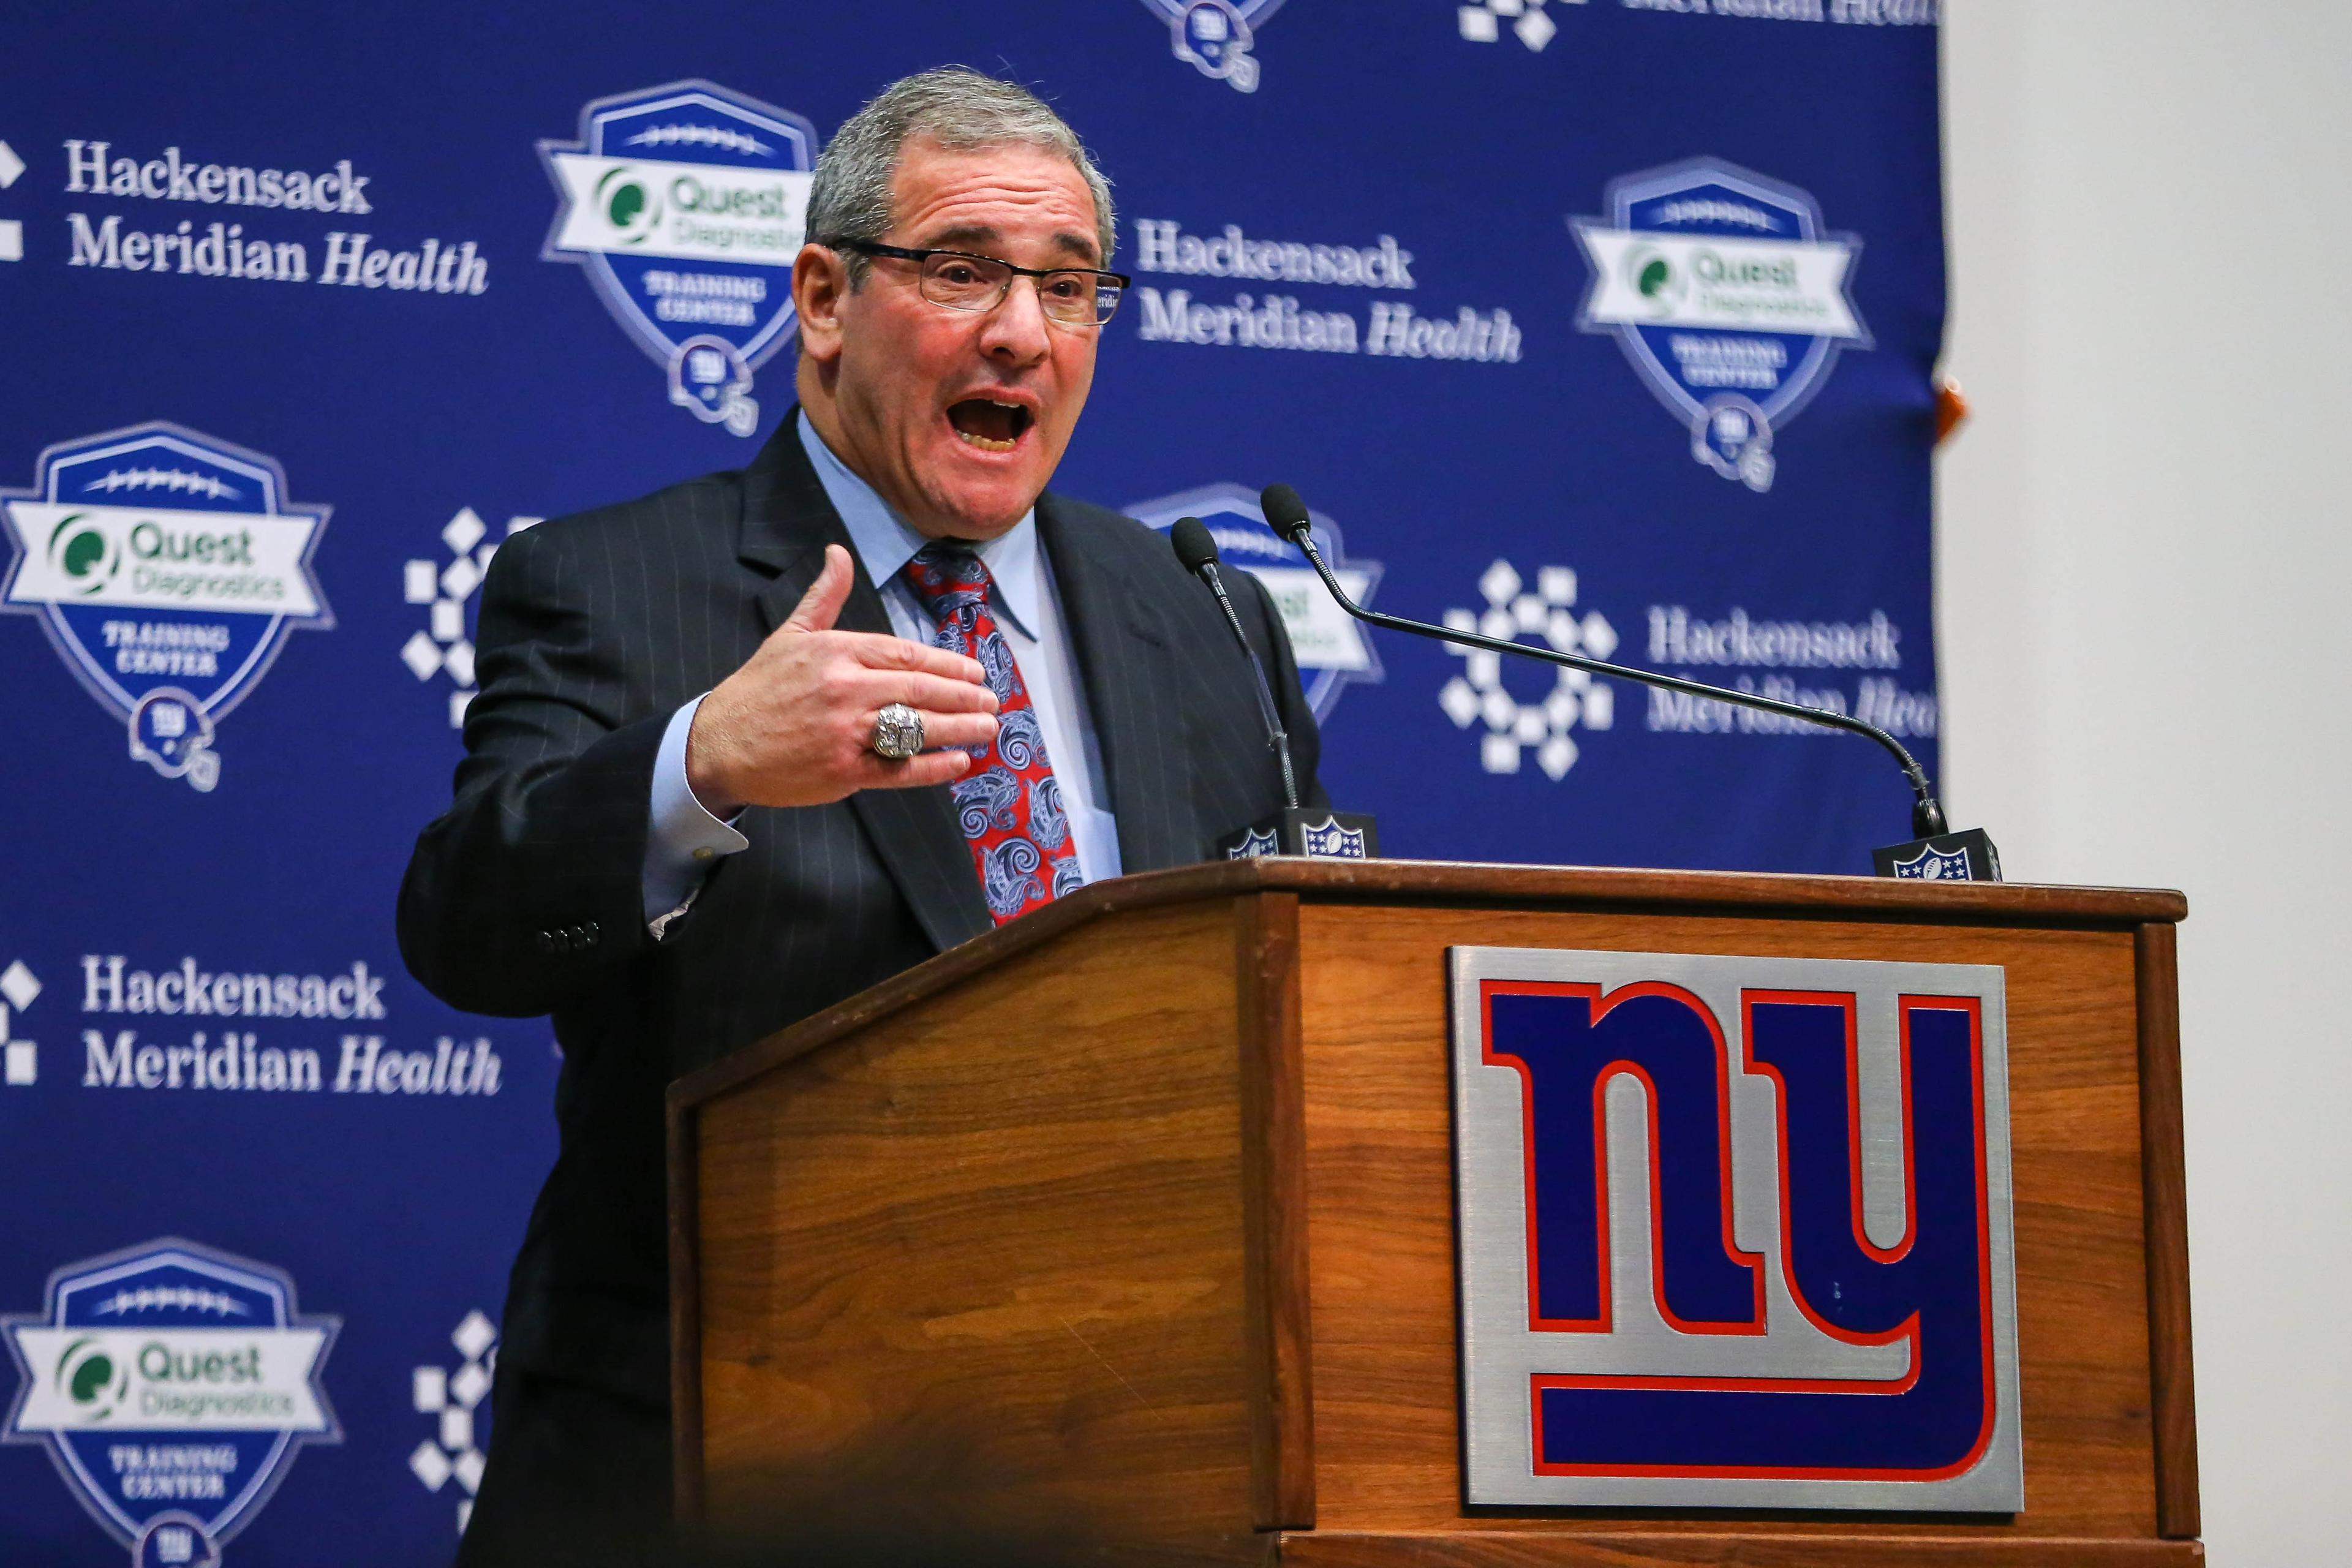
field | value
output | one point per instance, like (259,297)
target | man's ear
(820,291)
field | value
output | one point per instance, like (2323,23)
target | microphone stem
(1926,816)
(1276,736)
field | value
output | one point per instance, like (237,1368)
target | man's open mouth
(991,425)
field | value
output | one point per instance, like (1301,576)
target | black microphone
(1321,834)
(1198,552)
(1937,854)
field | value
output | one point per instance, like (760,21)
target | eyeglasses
(1069,296)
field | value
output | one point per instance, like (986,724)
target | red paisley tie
(1010,805)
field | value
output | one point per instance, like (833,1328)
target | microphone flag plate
(1965,856)
(1316,833)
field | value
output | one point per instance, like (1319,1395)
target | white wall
(2142,556)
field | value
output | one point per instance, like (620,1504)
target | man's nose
(1016,330)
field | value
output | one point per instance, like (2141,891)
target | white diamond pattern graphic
(445,590)
(471,1384)
(1481,23)
(430,1464)
(460,577)
(1460,700)
(422,655)
(1513,727)
(475,1336)
(455,1451)
(1500,584)
(17,984)
(11,165)
(463,531)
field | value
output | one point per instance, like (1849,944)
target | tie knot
(948,577)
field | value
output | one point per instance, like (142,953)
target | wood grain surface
(1274,1130)
(2172,1380)
(1499,1549)
(1381,1238)
(1438,882)
(1134,1220)
(982,1262)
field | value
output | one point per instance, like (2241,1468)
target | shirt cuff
(683,841)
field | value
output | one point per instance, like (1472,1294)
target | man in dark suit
(695,807)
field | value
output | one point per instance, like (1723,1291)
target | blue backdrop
(1610,323)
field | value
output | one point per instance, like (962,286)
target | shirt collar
(885,544)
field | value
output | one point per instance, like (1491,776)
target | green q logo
(86,1373)
(629,205)
(84,554)
(1654,279)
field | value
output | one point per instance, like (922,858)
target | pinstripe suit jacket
(525,898)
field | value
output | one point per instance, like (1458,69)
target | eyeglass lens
(1077,299)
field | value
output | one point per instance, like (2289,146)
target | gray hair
(956,107)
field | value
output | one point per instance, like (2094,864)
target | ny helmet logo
(1734,1232)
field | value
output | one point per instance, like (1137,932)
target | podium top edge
(1567,888)
(1577,886)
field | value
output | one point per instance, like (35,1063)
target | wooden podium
(1131,1225)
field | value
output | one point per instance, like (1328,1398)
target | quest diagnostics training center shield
(1728,295)
(686,204)
(167,567)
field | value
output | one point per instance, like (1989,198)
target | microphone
(1937,854)
(1328,835)
(1197,553)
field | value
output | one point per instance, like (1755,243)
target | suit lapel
(1126,660)
(787,523)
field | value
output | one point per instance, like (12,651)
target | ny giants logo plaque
(1734,1232)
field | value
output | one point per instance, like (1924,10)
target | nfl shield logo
(1253,844)
(167,567)
(1729,296)
(686,204)
(1734,1232)
(1934,865)
(1326,840)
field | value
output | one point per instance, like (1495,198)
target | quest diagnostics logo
(1729,296)
(171,1385)
(686,204)
(167,568)
(630,203)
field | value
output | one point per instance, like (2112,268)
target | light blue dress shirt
(685,841)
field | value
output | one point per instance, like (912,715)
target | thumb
(823,602)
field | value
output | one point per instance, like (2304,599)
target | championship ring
(897,733)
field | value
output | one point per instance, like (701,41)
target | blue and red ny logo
(1756,1231)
